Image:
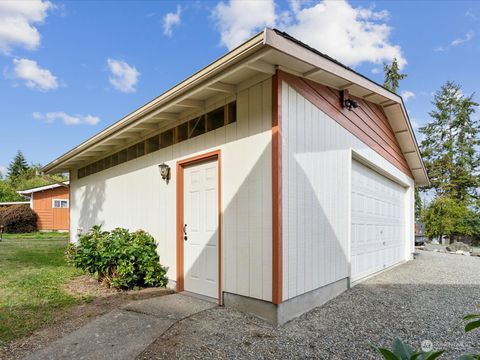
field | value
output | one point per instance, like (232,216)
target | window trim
(56,207)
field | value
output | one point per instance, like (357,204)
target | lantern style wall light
(165,172)
(346,101)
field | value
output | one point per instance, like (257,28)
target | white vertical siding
(134,196)
(316,161)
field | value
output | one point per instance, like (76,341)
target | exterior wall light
(165,172)
(346,102)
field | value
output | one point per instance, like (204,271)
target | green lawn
(32,274)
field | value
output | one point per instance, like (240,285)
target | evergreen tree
(449,148)
(392,76)
(18,166)
(418,205)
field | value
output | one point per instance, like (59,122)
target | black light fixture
(164,172)
(346,102)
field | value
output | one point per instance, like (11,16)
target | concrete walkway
(124,333)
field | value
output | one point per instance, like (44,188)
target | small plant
(402,351)
(474,321)
(119,258)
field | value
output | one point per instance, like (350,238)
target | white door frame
(180,270)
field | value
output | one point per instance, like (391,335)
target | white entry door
(378,234)
(201,228)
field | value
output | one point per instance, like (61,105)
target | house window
(199,125)
(59,204)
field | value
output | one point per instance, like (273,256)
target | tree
(391,82)
(418,205)
(18,166)
(392,76)
(450,143)
(449,217)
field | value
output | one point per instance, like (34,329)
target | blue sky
(70,69)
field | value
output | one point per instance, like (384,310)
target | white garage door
(378,235)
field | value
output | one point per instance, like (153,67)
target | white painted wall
(316,191)
(134,196)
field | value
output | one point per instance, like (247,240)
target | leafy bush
(402,351)
(18,219)
(473,321)
(119,258)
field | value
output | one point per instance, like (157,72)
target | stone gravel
(423,299)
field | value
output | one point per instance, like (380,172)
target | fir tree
(418,205)
(449,148)
(392,76)
(18,166)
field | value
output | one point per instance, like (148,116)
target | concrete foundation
(289,309)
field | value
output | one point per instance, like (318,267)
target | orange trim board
(277,256)
(181,164)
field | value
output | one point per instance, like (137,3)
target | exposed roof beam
(369,95)
(312,72)
(144,126)
(346,86)
(409,152)
(223,87)
(191,103)
(383,103)
(390,105)
(115,142)
(401,131)
(166,116)
(261,66)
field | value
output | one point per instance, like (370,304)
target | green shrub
(119,258)
(18,219)
(402,351)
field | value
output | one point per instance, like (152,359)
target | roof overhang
(28,192)
(257,58)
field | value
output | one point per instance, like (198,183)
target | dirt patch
(100,300)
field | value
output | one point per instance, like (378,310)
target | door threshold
(200,296)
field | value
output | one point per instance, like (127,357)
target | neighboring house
(291,177)
(51,204)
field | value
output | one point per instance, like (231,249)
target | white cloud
(458,41)
(376,71)
(239,20)
(124,77)
(470,14)
(3,171)
(350,34)
(18,20)
(33,75)
(51,117)
(407,95)
(468,36)
(415,124)
(170,20)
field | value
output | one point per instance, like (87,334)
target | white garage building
(272,179)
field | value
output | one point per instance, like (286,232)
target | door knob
(185,237)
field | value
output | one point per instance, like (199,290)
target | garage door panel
(377,222)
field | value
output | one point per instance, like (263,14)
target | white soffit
(261,55)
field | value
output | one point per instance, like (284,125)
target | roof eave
(229,59)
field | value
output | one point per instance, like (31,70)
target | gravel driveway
(422,299)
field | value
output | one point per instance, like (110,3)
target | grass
(38,235)
(32,276)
